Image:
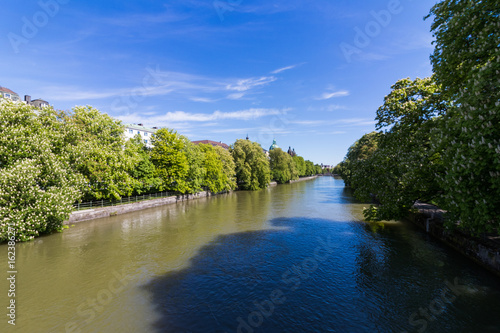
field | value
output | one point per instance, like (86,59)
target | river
(292,258)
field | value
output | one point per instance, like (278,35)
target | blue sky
(310,74)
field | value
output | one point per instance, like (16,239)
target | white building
(146,133)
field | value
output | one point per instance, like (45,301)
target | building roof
(140,127)
(7,90)
(213,143)
(274,145)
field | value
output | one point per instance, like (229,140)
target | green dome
(274,145)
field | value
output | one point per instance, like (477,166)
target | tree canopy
(251,164)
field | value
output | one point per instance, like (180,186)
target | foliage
(98,153)
(466,62)
(251,165)
(282,166)
(219,166)
(196,171)
(170,160)
(300,165)
(310,168)
(357,154)
(228,169)
(37,186)
(398,166)
(143,170)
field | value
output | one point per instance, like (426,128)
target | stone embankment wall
(90,214)
(302,179)
(484,251)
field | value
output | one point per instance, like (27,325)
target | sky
(310,74)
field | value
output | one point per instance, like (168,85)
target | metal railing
(122,201)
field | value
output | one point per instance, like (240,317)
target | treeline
(51,159)
(439,138)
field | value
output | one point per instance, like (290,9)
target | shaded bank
(484,251)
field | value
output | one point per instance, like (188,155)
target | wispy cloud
(181,116)
(279,70)
(247,84)
(327,108)
(332,94)
(346,122)
(156,82)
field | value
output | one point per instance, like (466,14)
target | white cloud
(279,70)
(181,116)
(328,95)
(247,84)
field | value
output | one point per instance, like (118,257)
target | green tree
(169,157)
(219,166)
(310,168)
(466,63)
(37,185)
(98,153)
(300,165)
(142,168)
(228,168)
(251,165)
(282,166)
(399,167)
(196,171)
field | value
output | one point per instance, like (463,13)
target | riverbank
(97,213)
(485,251)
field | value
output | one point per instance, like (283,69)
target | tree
(196,171)
(98,153)
(282,166)
(300,165)
(219,166)
(142,169)
(37,185)
(228,168)
(310,168)
(251,165)
(169,157)
(466,63)
(399,167)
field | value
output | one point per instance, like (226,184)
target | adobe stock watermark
(372,29)
(151,81)
(12,274)
(222,6)
(88,310)
(420,319)
(292,278)
(278,123)
(31,26)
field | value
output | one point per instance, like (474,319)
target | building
(274,145)
(146,133)
(39,103)
(213,143)
(7,93)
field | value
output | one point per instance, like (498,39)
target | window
(7,95)
(145,133)
(138,132)
(131,131)
(146,141)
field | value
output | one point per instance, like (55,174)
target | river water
(292,258)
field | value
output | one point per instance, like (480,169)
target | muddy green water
(292,258)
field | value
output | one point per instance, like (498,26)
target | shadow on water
(320,275)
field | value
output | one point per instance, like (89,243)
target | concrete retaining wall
(90,214)
(96,213)
(303,178)
(484,251)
